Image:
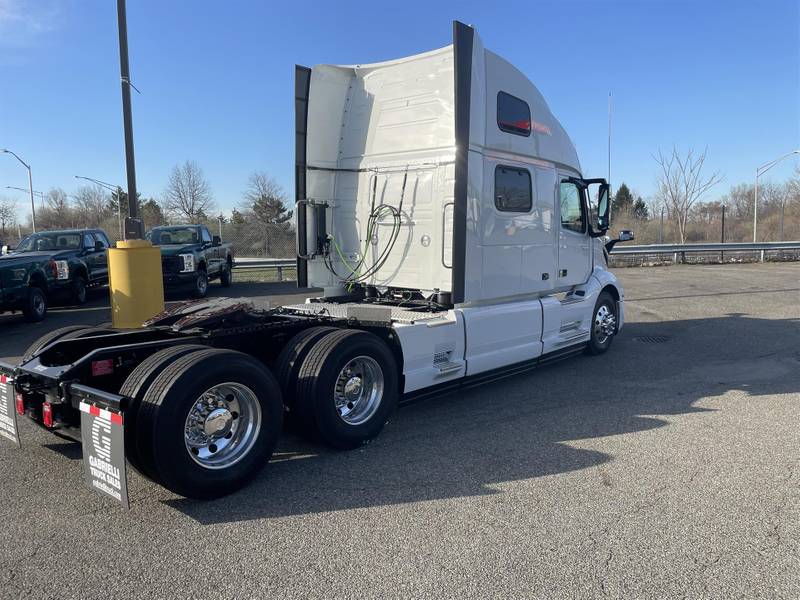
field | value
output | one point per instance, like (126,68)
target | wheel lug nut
(212,448)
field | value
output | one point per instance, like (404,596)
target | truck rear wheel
(291,359)
(78,290)
(138,441)
(71,332)
(35,307)
(226,275)
(49,337)
(347,388)
(604,324)
(215,417)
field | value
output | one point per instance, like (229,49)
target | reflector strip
(96,411)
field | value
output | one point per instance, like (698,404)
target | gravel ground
(666,468)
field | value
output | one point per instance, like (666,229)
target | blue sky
(217,80)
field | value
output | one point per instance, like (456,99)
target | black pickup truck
(191,257)
(51,263)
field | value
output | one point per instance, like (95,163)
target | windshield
(174,235)
(50,241)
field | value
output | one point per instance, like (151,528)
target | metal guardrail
(279,264)
(705,247)
(680,250)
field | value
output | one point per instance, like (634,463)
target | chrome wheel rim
(202,284)
(358,390)
(222,425)
(605,324)
(38,304)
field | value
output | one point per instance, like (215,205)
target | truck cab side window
(512,189)
(206,236)
(101,237)
(513,114)
(88,241)
(572,213)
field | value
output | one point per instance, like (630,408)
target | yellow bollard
(135,282)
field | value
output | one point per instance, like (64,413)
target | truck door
(574,243)
(212,252)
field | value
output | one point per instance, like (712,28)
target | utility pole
(133,225)
(609,143)
(134,265)
(722,235)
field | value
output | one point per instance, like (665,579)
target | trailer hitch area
(103,441)
(205,313)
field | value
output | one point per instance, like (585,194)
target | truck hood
(173,249)
(18,258)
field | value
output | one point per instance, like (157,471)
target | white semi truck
(441,208)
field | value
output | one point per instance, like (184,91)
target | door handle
(562,273)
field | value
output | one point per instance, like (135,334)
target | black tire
(226,275)
(35,307)
(139,455)
(601,338)
(200,284)
(49,337)
(166,404)
(77,291)
(317,382)
(287,367)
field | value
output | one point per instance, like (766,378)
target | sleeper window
(513,114)
(512,189)
(572,216)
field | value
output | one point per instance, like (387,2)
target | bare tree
(57,212)
(8,213)
(265,204)
(91,205)
(681,184)
(188,193)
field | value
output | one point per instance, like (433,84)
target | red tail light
(20,404)
(47,414)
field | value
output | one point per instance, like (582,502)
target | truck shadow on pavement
(551,421)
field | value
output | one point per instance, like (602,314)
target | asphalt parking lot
(665,468)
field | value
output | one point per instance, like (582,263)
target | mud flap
(103,438)
(8,411)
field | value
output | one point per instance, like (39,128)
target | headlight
(62,268)
(188,263)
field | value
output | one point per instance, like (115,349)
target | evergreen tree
(623,200)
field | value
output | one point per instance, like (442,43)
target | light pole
(26,190)
(759,172)
(30,185)
(113,188)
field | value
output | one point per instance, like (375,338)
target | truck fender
(606,281)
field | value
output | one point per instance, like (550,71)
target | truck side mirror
(603,208)
(216,241)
